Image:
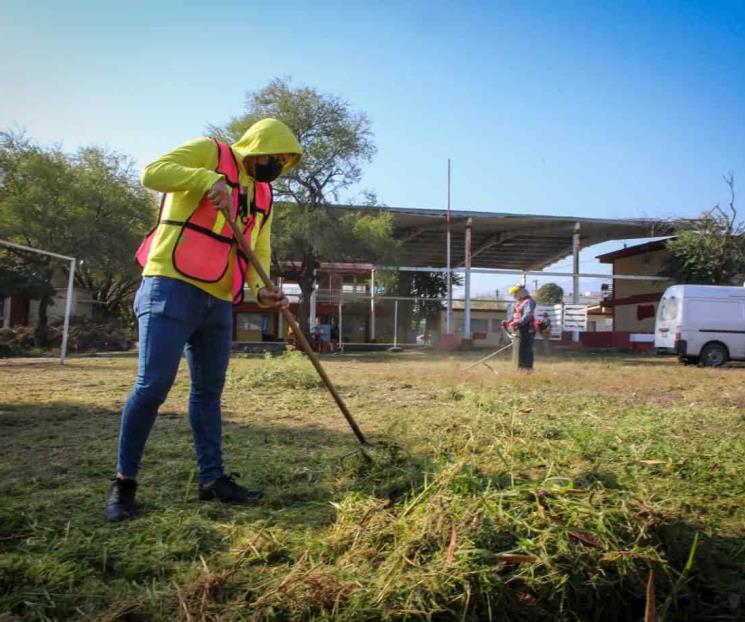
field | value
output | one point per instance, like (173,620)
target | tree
(18,279)
(421,285)
(549,294)
(709,250)
(337,142)
(88,205)
(118,212)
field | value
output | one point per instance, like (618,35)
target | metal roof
(630,251)
(501,240)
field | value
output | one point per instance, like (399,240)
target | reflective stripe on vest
(202,249)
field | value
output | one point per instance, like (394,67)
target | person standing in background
(523,324)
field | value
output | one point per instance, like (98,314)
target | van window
(668,310)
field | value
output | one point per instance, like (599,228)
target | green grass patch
(291,370)
(554,496)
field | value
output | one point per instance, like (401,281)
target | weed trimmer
(305,346)
(482,361)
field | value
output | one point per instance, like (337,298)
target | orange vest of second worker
(517,316)
(186,174)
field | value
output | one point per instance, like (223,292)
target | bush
(93,337)
(16,340)
(83,337)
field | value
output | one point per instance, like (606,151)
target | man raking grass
(192,275)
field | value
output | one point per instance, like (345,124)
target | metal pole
(372,304)
(280,317)
(395,323)
(340,344)
(313,305)
(575,274)
(68,309)
(6,313)
(467,305)
(449,316)
(34,250)
(70,281)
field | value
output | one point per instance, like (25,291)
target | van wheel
(714,355)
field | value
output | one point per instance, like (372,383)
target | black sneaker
(121,502)
(227,490)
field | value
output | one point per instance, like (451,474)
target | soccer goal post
(70,282)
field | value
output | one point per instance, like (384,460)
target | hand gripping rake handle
(246,248)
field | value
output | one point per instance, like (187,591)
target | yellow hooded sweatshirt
(187,173)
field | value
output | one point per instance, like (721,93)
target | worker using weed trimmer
(193,272)
(523,325)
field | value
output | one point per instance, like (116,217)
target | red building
(634,302)
(334,282)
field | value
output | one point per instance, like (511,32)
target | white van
(701,324)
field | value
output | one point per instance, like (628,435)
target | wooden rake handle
(299,335)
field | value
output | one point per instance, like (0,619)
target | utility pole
(467,305)
(449,315)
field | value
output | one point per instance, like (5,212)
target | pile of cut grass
(556,496)
(290,370)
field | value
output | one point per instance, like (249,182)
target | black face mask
(269,171)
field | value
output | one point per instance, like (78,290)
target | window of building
(479,326)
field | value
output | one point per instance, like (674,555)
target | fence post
(467,303)
(372,305)
(395,323)
(340,344)
(575,274)
(68,310)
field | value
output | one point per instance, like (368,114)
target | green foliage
(549,294)
(709,250)
(88,205)
(20,279)
(330,235)
(337,142)
(704,253)
(418,285)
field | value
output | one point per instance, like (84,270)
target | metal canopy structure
(501,240)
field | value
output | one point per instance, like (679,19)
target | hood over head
(267,137)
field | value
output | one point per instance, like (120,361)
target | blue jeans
(175,317)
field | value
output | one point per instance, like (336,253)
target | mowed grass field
(597,488)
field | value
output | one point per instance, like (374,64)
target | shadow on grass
(710,579)
(57,553)
(61,560)
(68,452)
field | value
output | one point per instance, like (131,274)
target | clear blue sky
(601,109)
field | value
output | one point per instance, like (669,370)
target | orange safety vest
(518,314)
(200,252)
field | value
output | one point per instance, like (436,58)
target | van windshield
(668,309)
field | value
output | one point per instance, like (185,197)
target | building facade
(634,302)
